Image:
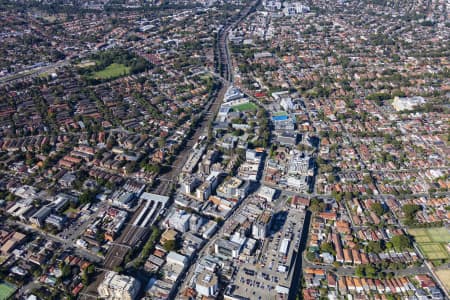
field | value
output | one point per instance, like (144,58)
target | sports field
(444,276)
(433,251)
(249,106)
(112,71)
(279,113)
(432,241)
(6,290)
(86,64)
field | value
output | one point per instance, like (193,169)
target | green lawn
(433,251)
(6,290)
(439,235)
(86,64)
(422,239)
(249,106)
(279,113)
(3,259)
(112,71)
(205,77)
(432,241)
(70,210)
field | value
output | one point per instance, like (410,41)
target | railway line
(139,227)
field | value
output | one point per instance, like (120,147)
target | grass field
(249,106)
(86,64)
(206,77)
(423,239)
(444,276)
(440,235)
(279,113)
(6,290)
(437,235)
(70,210)
(433,251)
(112,71)
(432,241)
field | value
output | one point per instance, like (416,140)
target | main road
(226,77)
(166,181)
(65,244)
(225,63)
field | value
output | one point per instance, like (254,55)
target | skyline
(224,149)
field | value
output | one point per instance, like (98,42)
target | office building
(261,226)
(118,287)
(207,284)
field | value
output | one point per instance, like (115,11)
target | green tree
(65,270)
(401,242)
(171,245)
(327,247)
(410,210)
(88,197)
(371,271)
(378,209)
(360,271)
(375,246)
(311,256)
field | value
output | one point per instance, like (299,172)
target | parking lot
(265,276)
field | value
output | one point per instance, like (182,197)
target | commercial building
(298,182)
(272,5)
(177,259)
(209,159)
(21,209)
(113,221)
(55,220)
(175,266)
(299,164)
(178,220)
(294,8)
(287,138)
(193,160)
(168,235)
(189,184)
(283,123)
(266,193)
(261,226)
(62,200)
(233,188)
(205,190)
(10,242)
(233,93)
(159,289)
(227,249)
(407,103)
(118,287)
(213,180)
(207,284)
(191,244)
(123,199)
(39,217)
